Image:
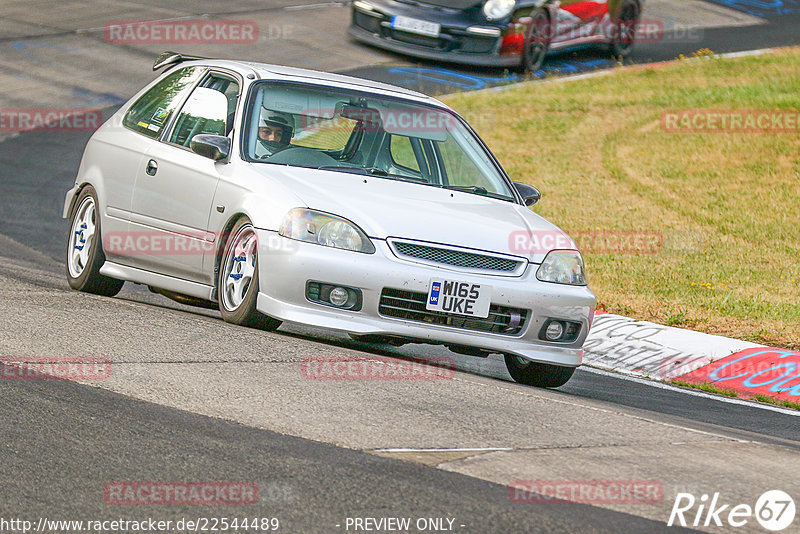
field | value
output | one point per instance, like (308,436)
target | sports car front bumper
(487,59)
(286,266)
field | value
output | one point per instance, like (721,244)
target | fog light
(560,330)
(554,331)
(339,296)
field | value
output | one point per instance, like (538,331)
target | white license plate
(421,27)
(459,298)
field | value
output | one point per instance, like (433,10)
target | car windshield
(347,131)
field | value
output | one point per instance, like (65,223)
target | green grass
(758,397)
(708,388)
(726,204)
(777,402)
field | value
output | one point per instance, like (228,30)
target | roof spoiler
(172,58)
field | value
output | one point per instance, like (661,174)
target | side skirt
(140,276)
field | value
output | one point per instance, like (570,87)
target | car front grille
(419,40)
(456,258)
(410,305)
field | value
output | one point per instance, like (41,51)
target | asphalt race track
(191,398)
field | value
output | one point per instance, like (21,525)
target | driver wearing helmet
(275,130)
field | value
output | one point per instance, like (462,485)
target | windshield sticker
(159,116)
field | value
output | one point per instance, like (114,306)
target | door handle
(152,167)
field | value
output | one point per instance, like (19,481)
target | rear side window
(152,111)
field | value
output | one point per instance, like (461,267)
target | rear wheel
(85,249)
(540,375)
(624,29)
(238,280)
(538,41)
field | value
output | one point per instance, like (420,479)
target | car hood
(386,208)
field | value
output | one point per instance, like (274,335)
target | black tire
(540,375)
(83,268)
(623,30)
(241,308)
(537,42)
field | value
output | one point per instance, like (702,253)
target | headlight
(498,9)
(323,229)
(562,267)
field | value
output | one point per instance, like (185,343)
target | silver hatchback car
(279,194)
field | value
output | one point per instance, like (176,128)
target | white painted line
(747,53)
(135,23)
(559,79)
(663,385)
(315,6)
(477,449)
(607,72)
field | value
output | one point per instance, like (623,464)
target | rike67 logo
(774,510)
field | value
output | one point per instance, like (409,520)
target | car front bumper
(455,44)
(285,267)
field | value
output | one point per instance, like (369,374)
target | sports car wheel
(624,29)
(538,41)
(238,280)
(540,375)
(85,249)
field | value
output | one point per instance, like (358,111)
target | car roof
(266,71)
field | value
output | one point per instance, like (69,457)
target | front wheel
(540,375)
(238,280)
(538,41)
(624,29)
(85,249)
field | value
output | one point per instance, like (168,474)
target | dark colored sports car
(507,33)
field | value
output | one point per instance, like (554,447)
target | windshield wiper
(343,168)
(370,171)
(478,190)
(374,171)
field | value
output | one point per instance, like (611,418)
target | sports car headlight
(498,9)
(562,267)
(324,229)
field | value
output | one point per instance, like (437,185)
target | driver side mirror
(214,147)
(529,194)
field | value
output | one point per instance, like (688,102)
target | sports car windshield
(346,131)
